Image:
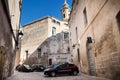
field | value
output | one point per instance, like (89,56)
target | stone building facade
(56,49)
(53,50)
(95,37)
(47,31)
(9,26)
(36,32)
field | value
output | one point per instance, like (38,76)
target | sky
(36,9)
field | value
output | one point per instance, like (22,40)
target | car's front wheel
(53,74)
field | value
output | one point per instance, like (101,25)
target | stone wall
(34,35)
(103,29)
(55,48)
(7,53)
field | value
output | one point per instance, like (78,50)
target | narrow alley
(40,76)
(80,38)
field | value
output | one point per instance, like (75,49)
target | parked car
(17,67)
(66,68)
(23,68)
(38,67)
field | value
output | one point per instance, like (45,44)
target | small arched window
(63,15)
(85,16)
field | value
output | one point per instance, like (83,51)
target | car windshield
(53,65)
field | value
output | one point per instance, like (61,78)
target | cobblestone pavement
(40,76)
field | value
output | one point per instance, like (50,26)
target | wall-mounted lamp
(20,34)
(89,40)
(18,37)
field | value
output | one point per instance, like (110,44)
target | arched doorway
(90,56)
(2,61)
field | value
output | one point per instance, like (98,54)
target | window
(63,66)
(63,15)
(78,55)
(66,35)
(58,23)
(53,30)
(50,61)
(53,21)
(66,24)
(76,34)
(26,54)
(71,65)
(68,49)
(77,1)
(118,20)
(85,17)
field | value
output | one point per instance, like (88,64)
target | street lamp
(20,34)
(89,40)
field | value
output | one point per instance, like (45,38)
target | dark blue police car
(66,68)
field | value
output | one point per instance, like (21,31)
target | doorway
(50,61)
(90,57)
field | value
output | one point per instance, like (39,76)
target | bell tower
(65,11)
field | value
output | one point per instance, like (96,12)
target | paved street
(40,76)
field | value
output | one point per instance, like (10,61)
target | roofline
(36,21)
(41,20)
